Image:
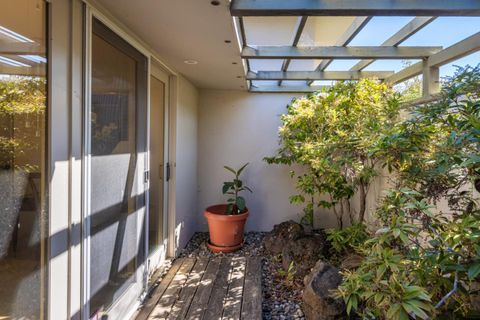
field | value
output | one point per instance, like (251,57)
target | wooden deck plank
(166,302)
(181,306)
(252,291)
(233,301)
(202,295)
(220,287)
(159,290)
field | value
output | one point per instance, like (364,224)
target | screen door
(116,143)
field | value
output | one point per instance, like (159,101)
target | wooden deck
(210,289)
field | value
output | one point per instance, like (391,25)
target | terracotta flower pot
(226,231)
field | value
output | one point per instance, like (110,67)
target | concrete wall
(186,162)
(236,127)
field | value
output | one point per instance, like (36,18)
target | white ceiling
(179,30)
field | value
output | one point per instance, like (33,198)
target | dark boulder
(318,300)
(304,253)
(281,235)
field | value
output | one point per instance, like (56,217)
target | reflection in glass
(114,199)
(22,159)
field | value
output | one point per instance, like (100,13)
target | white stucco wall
(186,162)
(236,127)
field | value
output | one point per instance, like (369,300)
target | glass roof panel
(293,83)
(258,83)
(266,64)
(378,30)
(303,65)
(269,31)
(324,31)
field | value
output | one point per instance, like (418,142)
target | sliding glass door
(23,176)
(116,145)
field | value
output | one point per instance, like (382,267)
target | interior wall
(186,162)
(236,127)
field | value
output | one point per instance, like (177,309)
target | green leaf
(240,203)
(241,169)
(474,270)
(226,187)
(230,169)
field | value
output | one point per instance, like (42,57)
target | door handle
(168,171)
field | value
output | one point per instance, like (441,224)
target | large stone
(304,253)
(282,234)
(351,262)
(318,300)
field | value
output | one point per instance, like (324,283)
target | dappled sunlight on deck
(203,288)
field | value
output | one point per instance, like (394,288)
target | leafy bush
(347,239)
(331,134)
(423,262)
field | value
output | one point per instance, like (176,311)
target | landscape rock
(351,262)
(281,235)
(304,252)
(318,300)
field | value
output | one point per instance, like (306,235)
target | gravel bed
(281,300)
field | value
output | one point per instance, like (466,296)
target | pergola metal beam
(22,71)
(357,25)
(403,34)
(355,8)
(296,38)
(334,52)
(286,89)
(317,75)
(17,48)
(458,50)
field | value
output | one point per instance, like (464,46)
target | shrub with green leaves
(424,261)
(330,134)
(347,239)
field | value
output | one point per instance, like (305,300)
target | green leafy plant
(347,239)
(424,260)
(236,203)
(289,274)
(330,134)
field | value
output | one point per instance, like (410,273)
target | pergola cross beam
(355,8)
(334,52)
(317,75)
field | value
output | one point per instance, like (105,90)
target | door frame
(94,10)
(129,300)
(157,258)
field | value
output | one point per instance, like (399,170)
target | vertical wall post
(431,79)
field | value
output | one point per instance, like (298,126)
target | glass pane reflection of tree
(22,161)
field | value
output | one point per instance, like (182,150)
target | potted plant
(226,222)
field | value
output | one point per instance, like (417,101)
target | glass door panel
(23,214)
(117,143)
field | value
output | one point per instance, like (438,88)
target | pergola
(424,11)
